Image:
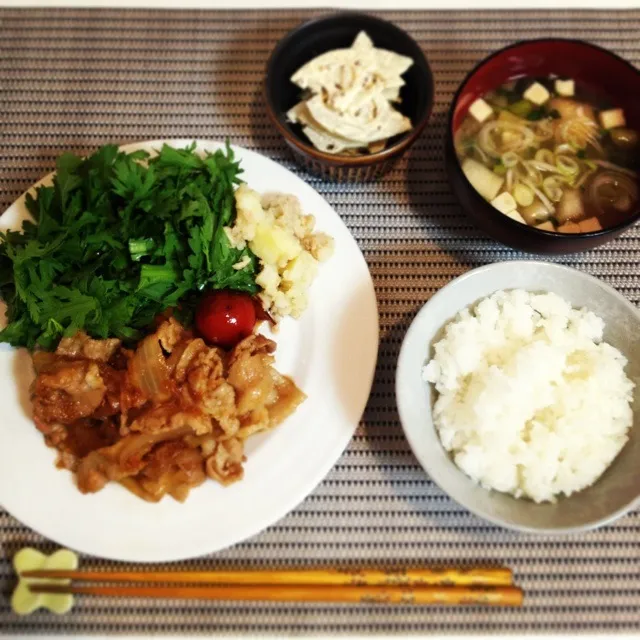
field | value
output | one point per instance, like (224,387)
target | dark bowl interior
(338,31)
(603,71)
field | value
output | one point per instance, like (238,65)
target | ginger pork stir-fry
(162,418)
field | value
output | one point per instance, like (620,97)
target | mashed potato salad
(282,237)
(531,401)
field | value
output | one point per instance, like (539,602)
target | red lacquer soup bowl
(601,70)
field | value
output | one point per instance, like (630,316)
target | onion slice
(510,159)
(552,189)
(544,166)
(520,137)
(545,201)
(149,370)
(567,165)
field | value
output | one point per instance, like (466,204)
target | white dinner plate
(330,353)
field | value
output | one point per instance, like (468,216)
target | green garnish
(117,242)
(537,114)
(522,108)
(581,153)
(510,94)
(467,144)
(500,169)
(555,114)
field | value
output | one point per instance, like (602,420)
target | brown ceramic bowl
(596,67)
(333,32)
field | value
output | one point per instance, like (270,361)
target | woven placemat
(75,79)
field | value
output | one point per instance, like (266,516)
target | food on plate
(530,400)
(275,229)
(140,286)
(160,419)
(118,239)
(552,154)
(347,107)
(224,318)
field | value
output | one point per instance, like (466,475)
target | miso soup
(551,153)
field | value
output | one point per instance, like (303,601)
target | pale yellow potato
(282,237)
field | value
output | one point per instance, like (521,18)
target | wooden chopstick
(494,596)
(494,577)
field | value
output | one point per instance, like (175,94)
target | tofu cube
(480,110)
(566,88)
(537,94)
(590,224)
(569,227)
(505,203)
(546,226)
(514,215)
(612,118)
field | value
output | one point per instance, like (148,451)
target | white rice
(531,401)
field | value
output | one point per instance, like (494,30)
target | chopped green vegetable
(581,154)
(555,114)
(500,169)
(508,92)
(523,195)
(118,240)
(522,108)
(537,114)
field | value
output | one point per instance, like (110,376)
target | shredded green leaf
(119,239)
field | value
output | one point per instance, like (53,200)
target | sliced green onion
(543,198)
(530,173)
(523,195)
(509,179)
(567,166)
(544,166)
(565,148)
(552,189)
(546,156)
(510,159)
(521,108)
